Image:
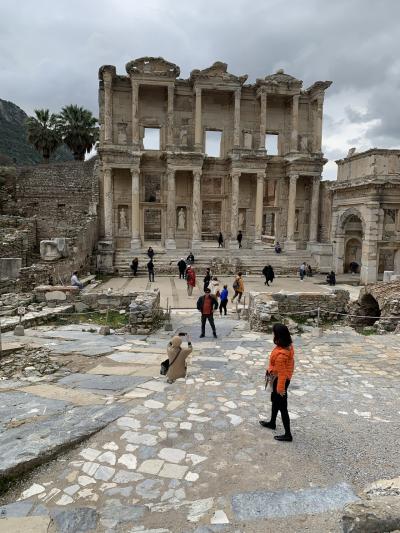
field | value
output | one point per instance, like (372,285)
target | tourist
(302,271)
(190,258)
(223,300)
(207,279)
(206,305)
(150,253)
(331,278)
(279,372)
(177,357)
(75,280)
(150,268)
(134,265)
(214,286)
(190,279)
(269,274)
(309,271)
(182,268)
(220,240)
(239,238)
(238,287)
(278,248)
(353,267)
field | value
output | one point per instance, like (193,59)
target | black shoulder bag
(166,364)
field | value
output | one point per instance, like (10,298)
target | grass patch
(114,319)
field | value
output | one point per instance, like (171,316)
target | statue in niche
(241,220)
(184,137)
(181,219)
(122,219)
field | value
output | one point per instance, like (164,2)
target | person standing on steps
(206,305)
(238,287)
(239,238)
(134,266)
(150,253)
(220,240)
(302,271)
(269,274)
(223,300)
(280,372)
(207,279)
(190,258)
(150,268)
(190,279)
(278,248)
(182,268)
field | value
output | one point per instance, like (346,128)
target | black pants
(237,293)
(279,403)
(220,245)
(266,281)
(210,319)
(222,306)
(182,274)
(134,271)
(240,244)
(151,275)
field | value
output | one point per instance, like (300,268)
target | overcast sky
(50,51)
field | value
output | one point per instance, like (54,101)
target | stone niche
(10,267)
(53,249)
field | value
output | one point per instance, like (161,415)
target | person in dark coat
(239,238)
(220,240)
(269,274)
(207,279)
(134,266)
(206,304)
(309,271)
(182,268)
(150,253)
(278,248)
(190,258)
(150,268)
(331,278)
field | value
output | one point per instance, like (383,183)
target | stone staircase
(220,260)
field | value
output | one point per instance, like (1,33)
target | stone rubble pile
(10,302)
(28,363)
(145,313)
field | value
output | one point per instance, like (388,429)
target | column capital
(107,169)
(238,92)
(135,171)
(197,91)
(261,175)
(197,172)
(293,176)
(235,173)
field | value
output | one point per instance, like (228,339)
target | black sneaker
(268,425)
(215,336)
(284,438)
(201,336)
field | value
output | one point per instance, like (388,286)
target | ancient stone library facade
(183,159)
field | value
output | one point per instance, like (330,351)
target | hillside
(13,138)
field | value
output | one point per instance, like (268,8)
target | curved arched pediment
(350,215)
(152,66)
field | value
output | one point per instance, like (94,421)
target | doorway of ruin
(211,220)
(369,310)
(352,253)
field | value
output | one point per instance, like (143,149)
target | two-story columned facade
(183,159)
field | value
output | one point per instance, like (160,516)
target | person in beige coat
(177,358)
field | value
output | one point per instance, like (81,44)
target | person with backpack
(206,305)
(238,287)
(223,300)
(269,274)
(177,356)
(214,286)
(278,375)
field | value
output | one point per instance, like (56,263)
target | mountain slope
(13,138)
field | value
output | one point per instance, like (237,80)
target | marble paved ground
(191,456)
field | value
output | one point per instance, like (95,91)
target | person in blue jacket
(223,300)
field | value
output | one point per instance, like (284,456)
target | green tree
(78,129)
(43,133)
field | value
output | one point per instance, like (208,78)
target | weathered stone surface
(377,515)
(94,381)
(76,520)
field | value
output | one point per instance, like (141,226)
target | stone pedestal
(19,330)
(105,257)
(290,246)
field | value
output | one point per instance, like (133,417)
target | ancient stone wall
(18,238)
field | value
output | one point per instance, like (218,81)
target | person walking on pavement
(207,279)
(214,286)
(238,287)
(269,274)
(223,300)
(206,305)
(239,238)
(302,271)
(150,268)
(150,253)
(190,279)
(134,266)
(279,373)
(220,240)
(182,268)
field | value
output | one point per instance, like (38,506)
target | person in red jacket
(190,279)
(280,369)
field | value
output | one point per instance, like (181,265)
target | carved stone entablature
(217,73)
(152,67)
(105,70)
(303,165)
(184,160)
(318,88)
(280,82)
(369,182)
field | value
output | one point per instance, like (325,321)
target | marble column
(171,210)
(135,106)
(170,116)
(290,242)
(136,242)
(198,128)
(263,118)
(295,123)
(277,205)
(259,209)
(108,203)
(196,210)
(236,120)
(235,176)
(313,237)
(317,123)
(107,82)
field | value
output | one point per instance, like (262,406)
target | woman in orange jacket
(280,369)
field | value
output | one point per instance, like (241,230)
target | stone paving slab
(31,524)
(62,393)
(104,383)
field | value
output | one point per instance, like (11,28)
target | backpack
(236,285)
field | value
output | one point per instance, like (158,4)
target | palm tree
(78,130)
(43,133)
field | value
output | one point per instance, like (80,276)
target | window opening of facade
(271,143)
(151,139)
(213,143)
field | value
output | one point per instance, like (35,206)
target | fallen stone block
(377,515)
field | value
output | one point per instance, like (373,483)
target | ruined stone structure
(365,220)
(173,193)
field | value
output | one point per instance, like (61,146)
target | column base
(233,245)
(136,244)
(290,246)
(170,244)
(197,244)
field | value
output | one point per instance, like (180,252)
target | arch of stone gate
(348,238)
